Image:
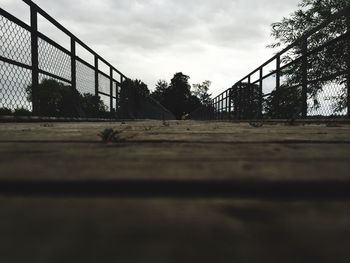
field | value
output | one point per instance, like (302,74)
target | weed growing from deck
(109,135)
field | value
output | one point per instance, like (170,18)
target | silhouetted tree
(160,92)
(284,104)
(131,94)
(246,101)
(201,92)
(177,96)
(54,99)
(330,61)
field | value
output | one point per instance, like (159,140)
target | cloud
(218,40)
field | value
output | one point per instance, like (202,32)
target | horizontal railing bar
(53,43)
(306,35)
(14,62)
(82,61)
(93,68)
(269,75)
(14,19)
(104,74)
(105,94)
(329,43)
(328,78)
(54,76)
(257,81)
(315,50)
(266,95)
(263,65)
(116,81)
(70,34)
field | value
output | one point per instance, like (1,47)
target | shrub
(55,99)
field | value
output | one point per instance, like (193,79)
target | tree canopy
(324,67)
(59,100)
(201,91)
(178,97)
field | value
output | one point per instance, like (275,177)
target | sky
(216,40)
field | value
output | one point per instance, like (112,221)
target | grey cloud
(150,39)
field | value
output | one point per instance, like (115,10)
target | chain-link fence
(308,79)
(40,77)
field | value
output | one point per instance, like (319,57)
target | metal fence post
(261,74)
(73,64)
(278,85)
(348,65)
(111,89)
(214,110)
(221,103)
(96,75)
(119,90)
(229,104)
(248,98)
(235,101)
(34,58)
(304,79)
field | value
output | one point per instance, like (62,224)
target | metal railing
(28,58)
(308,79)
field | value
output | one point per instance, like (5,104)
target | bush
(54,99)
(93,106)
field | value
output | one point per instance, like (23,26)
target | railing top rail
(14,19)
(344,12)
(70,34)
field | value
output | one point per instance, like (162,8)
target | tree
(201,92)
(178,97)
(246,101)
(132,92)
(54,99)
(325,66)
(161,88)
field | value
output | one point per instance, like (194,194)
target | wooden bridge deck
(276,193)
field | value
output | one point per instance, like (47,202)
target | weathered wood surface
(61,228)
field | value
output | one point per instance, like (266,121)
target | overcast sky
(216,40)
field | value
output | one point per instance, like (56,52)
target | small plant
(256,124)
(109,135)
(46,125)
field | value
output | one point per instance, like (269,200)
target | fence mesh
(14,81)
(85,78)
(44,82)
(15,41)
(53,60)
(309,79)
